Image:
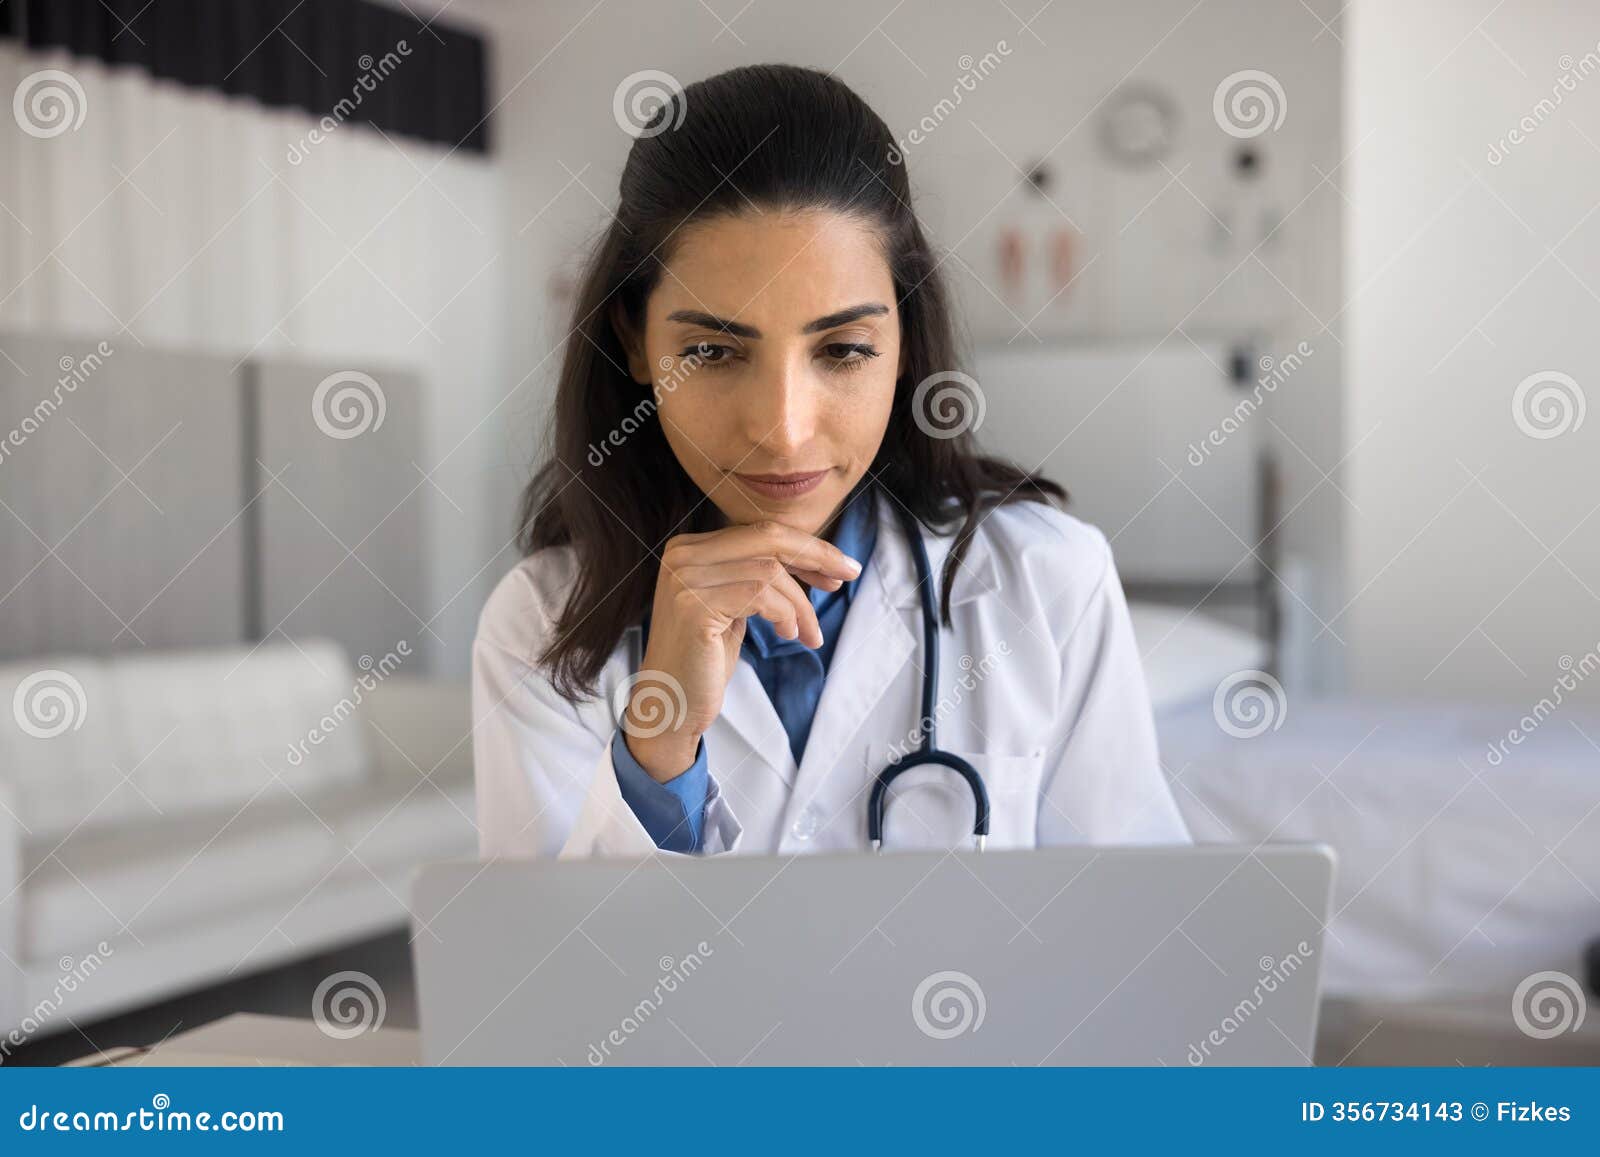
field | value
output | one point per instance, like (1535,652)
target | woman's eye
(843,356)
(847,356)
(705,353)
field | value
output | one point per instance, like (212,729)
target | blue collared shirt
(792,674)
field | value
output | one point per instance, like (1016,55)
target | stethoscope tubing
(928,751)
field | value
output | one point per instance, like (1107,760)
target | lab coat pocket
(932,806)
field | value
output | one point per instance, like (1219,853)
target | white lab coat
(1040,688)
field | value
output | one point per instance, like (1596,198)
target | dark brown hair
(784,138)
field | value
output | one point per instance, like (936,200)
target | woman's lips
(782,485)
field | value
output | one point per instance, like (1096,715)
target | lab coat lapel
(748,709)
(870,657)
(875,656)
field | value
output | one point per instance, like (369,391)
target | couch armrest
(417,725)
(11,901)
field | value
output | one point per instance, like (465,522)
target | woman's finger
(794,548)
(807,629)
(813,578)
(778,599)
(739,570)
(735,602)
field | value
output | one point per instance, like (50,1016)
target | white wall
(1162,272)
(177,218)
(1474,562)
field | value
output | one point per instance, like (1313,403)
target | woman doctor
(714,641)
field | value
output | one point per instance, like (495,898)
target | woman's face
(773,342)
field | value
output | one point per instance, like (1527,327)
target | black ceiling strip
(346,59)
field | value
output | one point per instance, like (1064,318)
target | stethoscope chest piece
(880,793)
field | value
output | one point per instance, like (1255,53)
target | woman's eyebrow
(699,317)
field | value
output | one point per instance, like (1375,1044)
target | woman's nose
(783,413)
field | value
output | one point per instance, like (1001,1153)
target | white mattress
(1186,654)
(1454,876)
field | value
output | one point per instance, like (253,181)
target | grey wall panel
(341,519)
(121,478)
(1114,423)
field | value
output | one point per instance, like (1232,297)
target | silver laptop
(1204,955)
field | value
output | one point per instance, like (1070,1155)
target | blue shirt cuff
(671,812)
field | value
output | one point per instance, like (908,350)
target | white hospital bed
(1456,876)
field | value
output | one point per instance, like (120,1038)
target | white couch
(183,827)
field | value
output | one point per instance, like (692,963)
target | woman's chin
(808,512)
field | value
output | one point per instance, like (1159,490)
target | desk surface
(249,1039)
(1352,1032)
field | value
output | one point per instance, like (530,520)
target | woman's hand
(707,585)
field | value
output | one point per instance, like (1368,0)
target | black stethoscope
(928,752)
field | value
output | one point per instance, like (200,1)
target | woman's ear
(632,344)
